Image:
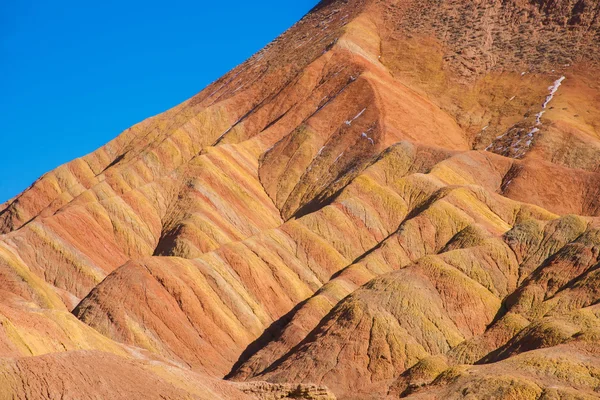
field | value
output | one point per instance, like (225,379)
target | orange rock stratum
(394,199)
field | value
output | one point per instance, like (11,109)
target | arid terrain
(394,199)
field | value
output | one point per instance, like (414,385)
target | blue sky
(74,74)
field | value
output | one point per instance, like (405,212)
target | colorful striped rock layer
(394,199)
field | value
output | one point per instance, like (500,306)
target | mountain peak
(393,198)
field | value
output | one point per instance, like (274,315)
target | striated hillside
(394,199)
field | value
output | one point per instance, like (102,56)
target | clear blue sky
(74,74)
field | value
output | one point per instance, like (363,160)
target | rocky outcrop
(272,391)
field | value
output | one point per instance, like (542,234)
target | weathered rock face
(274,391)
(393,199)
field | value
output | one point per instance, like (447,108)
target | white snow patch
(360,113)
(553,89)
(538,117)
(368,138)
(349,122)
(492,144)
(338,157)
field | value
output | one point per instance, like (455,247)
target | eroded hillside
(394,199)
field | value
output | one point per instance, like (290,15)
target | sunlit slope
(394,198)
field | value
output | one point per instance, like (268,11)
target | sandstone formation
(394,199)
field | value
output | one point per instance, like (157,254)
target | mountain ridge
(393,199)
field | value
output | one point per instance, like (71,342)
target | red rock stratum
(394,199)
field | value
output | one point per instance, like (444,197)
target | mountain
(394,199)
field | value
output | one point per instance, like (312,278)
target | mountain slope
(394,198)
